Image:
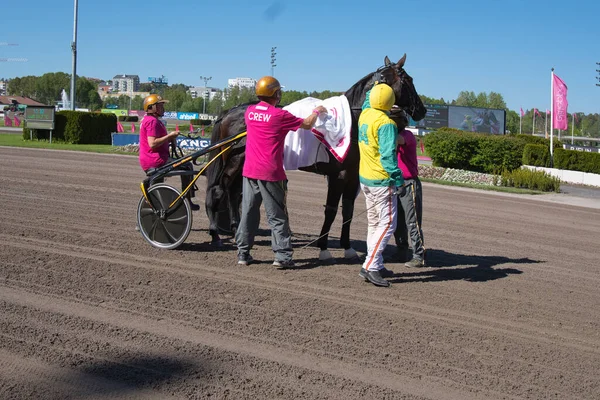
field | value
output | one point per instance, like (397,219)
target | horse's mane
(357,90)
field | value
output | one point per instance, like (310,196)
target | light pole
(74,50)
(205,79)
(598,77)
(273,65)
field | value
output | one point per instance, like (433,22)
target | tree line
(47,89)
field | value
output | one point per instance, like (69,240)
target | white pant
(382,204)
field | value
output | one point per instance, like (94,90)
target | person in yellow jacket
(380,177)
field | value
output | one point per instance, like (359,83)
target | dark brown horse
(224,185)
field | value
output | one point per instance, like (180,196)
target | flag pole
(572,127)
(520,122)
(533,129)
(552,118)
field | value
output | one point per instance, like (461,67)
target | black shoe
(384,272)
(284,264)
(245,260)
(375,278)
(194,207)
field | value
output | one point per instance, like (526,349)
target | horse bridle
(379,77)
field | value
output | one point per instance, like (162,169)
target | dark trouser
(274,195)
(410,206)
(185,179)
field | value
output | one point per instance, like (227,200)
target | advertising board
(471,119)
(474,119)
(40,117)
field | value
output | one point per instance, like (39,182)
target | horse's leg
(348,199)
(234,201)
(335,187)
(213,196)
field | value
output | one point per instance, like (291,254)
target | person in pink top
(154,143)
(263,173)
(410,202)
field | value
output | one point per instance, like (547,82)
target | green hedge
(537,155)
(577,160)
(78,128)
(480,152)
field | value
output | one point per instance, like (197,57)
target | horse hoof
(325,255)
(350,254)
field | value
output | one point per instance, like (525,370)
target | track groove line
(436,388)
(448,317)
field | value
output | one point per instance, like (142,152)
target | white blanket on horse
(332,131)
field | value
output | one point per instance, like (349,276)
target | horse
(224,177)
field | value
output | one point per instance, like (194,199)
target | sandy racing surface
(89,310)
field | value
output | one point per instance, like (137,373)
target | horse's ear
(402,61)
(386,61)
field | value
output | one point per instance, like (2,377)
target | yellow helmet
(382,97)
(267,86)
(152,99)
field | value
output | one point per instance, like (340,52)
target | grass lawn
(17,141)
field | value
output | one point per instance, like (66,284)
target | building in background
(125,83)
(104,87)
(202,92)
(242,83)
(3,87)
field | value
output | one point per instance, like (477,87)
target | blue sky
(505,46)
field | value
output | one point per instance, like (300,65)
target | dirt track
(88,310)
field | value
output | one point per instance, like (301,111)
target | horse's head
(407,97)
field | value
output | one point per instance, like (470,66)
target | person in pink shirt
(263,174)
(154,143)
(410,203)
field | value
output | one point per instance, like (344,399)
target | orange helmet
(151,100)
(267,86)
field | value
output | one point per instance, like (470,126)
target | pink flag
(191,127)
(559,103)
(575,115)
(522,113)
(17,121)
(422,147)
(535,110)
(132,128)
(120,128)
(547,112)
(177,127)
(7,121)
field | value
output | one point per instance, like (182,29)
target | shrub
(537,155)
(89,128)
(577,160)
(451,148)
(479,152)
(497,153)
(529,179)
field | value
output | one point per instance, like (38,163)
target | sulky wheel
(162,227)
